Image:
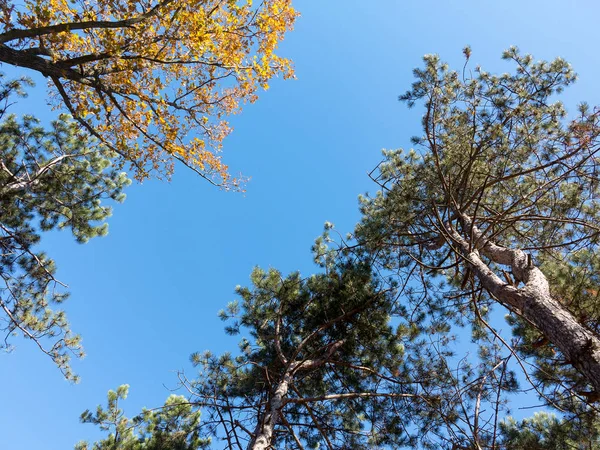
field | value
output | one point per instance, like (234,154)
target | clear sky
(146,296)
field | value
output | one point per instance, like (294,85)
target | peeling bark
(534,301)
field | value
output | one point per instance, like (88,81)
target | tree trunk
(263,435)
(534,302)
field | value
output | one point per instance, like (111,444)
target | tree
(495,212)
(498,205)
(321,367)
(49,179)
(174,426)
(316,370)
(152,80)
(323,364)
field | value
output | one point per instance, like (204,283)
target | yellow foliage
(154,80)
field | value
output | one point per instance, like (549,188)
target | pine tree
(315,370)
(52,178)
(497,208)
(320,365)
(174,426)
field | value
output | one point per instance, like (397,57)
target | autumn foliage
(152,80)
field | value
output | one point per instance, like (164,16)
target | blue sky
(146,296)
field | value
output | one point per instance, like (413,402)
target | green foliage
(497,152)
(174,426)
(545,431)
(330,334)
(52,178)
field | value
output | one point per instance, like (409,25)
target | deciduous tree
(152,80)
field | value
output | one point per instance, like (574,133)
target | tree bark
(23,58)
(263,435)
(534,302)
